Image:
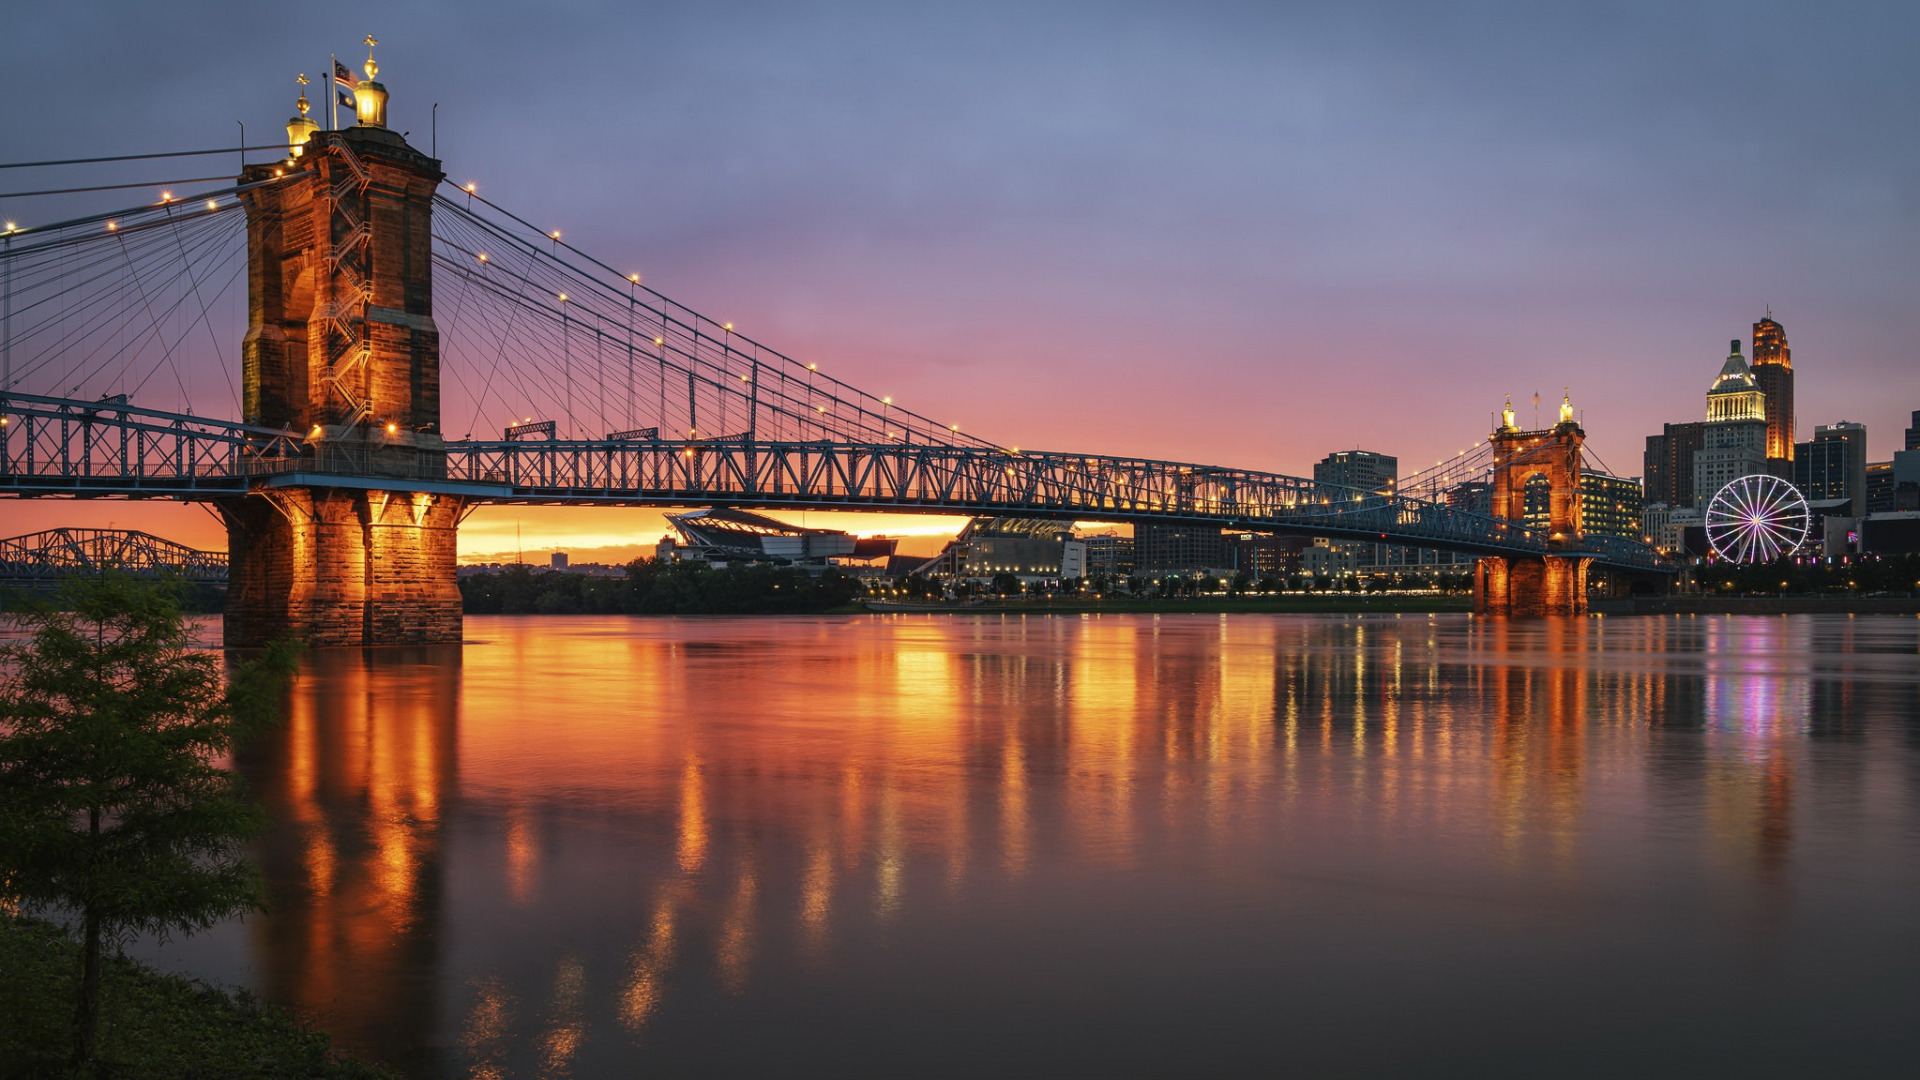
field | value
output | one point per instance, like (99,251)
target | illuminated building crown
(1734,395)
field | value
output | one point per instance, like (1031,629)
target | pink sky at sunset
(1238,237)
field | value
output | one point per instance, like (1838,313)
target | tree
(113,802)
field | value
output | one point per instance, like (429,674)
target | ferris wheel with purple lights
(1757,519)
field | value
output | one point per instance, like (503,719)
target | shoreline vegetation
(153,1025)
(649,587)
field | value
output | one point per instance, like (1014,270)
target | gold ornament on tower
(369,97)
(302,127)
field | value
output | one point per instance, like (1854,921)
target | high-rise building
(1610,505)
(1668,463)
(1773,374)
(1109,553)
(1854,437)
(1361,469)
(1735,441)
(1913,432)
(1880,485)
(1823,469)
(1174,549)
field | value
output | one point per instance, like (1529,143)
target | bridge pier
(1530,585)
(342,353)
(338,566)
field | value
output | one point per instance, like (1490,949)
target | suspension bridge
(378,302)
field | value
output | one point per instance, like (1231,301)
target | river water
(921,845)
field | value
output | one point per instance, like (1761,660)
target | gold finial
(1566,405)
(373,69)
(1506,415)
(303,104)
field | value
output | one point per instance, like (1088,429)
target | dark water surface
(1116,845)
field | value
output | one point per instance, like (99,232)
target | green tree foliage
(650,587)
(1858,575)
(114,805)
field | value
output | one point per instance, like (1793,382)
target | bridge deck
(54,447)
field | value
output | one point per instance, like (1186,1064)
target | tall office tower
(1736,430)
(1913,433)
(1855,437)
(1668,464)
(1880,485)
(1773,374)
(1361,469)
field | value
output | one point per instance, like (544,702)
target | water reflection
(580,846)
(358,780)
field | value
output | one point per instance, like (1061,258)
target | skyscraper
(1736,430)
(1360,469)
(1773,374)
(1668,463)
(1850,467)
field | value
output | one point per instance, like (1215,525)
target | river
(919,845)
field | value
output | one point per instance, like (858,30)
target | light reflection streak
(841,777)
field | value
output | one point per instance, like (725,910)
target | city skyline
(1017,254)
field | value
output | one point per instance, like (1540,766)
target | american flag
(343,75)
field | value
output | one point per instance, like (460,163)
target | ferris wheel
(1757,519)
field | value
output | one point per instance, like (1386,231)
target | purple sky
(1238,234)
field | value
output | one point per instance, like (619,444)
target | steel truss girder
(53,446)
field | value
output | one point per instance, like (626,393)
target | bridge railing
(967,480)
(55,442)
(58,446)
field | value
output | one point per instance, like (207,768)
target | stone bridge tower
(353,543)
(1524,463)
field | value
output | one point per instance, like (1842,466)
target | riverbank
(153,1025)
(1758,605)
(1197,605)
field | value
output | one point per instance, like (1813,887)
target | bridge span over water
(379,301)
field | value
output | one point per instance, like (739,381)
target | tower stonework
(1536,584)
(353,543)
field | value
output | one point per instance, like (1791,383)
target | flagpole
(333,91)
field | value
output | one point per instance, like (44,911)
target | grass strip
(153,1025)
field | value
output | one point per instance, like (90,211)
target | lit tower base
(1536,584)
(353,543)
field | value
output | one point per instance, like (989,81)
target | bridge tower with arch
(341,351)
(342,494)
(1524,462)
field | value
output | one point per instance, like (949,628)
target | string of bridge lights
(557,242)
